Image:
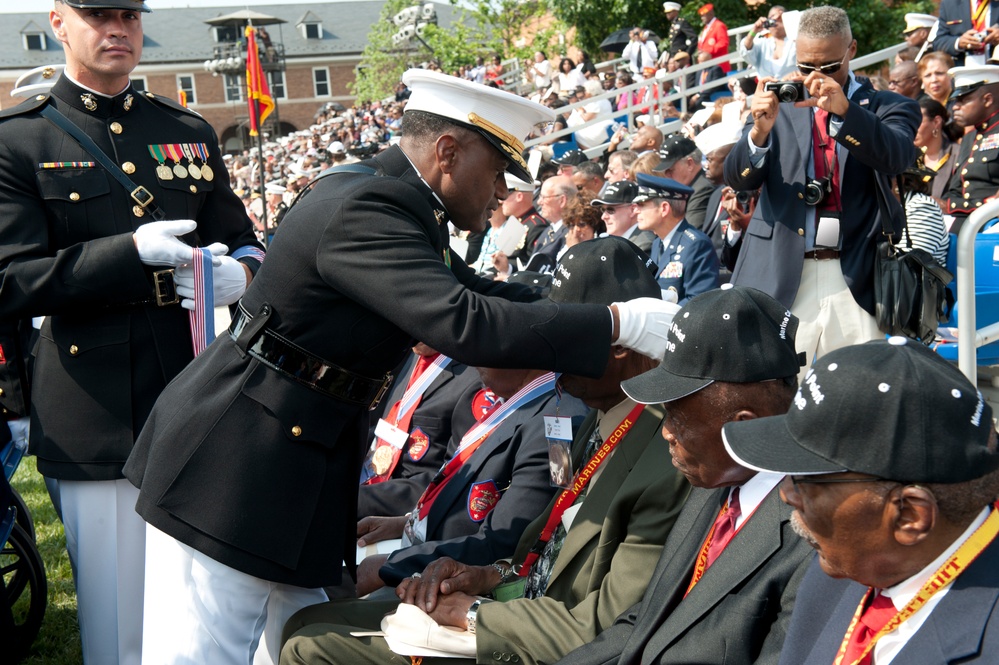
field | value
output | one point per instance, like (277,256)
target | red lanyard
(579,482)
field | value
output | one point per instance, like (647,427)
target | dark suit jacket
(691,255)
(736,614)
(260,472)
(698,202)
(955,20)
(714,217)
(511,464)
(642,239)
(877,132)
(444,409)
(549,244)
(66,251)
(959,630)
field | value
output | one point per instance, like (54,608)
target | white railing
(968,335)
(654,104)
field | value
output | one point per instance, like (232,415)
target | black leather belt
(822,254)
(252,337)
(164,288)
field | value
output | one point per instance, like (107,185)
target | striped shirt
(925,226)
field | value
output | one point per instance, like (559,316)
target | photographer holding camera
(767,46)
(806,244)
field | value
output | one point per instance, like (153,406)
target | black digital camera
(744,199)
(787,91)
(816,190)
(769,23)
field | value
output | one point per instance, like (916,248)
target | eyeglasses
(828,68)
(821,480)
(893,83)
(548,196)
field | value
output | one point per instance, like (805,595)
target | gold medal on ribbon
(206,171)
(382,459)
(176,154)
(163,171)
(192,168)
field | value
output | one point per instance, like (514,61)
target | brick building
(316,51)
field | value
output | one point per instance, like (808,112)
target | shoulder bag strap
(139,194)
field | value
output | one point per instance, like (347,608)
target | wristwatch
(507,573)
(470,615)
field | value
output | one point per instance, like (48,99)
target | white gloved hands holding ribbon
(158,244)
(644,323)
(228,278)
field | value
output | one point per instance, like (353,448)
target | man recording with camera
(820,161)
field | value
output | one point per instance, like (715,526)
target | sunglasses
(828,68)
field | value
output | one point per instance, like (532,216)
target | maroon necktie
(874,618)
(724,527)
(825,158)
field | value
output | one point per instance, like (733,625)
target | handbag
(910,288)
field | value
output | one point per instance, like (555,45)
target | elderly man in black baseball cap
(725,583)
(618,211)
(680,160)
(892,471)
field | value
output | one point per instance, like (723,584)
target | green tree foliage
(483,28)
(876,24)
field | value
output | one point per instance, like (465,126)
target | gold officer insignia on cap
(511,144)
(89,101)
(48,72)
(129,99)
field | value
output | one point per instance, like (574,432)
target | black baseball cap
(538,282)
(604,271)
(136,5)
(571,158)
(734,334)
(616,193)
(674,148)
(892,409)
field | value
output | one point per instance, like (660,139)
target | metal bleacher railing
(664,89)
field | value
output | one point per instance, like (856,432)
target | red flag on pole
(258,94)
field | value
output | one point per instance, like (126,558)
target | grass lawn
(58,643)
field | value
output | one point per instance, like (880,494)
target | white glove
(158,245)
(228,279)
(644,323)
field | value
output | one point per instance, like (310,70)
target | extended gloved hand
(228,279)
(644,323)
(158,244)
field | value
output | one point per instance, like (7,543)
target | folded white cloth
(410,631)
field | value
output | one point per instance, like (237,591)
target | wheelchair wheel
(25,594)
(23,514)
